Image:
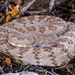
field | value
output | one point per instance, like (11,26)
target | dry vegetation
(10,9)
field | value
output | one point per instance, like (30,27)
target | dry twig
(27,5)
(51,4)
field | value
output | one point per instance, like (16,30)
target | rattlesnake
(22,39)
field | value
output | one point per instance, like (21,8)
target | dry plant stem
(6,5)
(33,12)
(36,12)
(70,71)
(66,65)
(26,6)
(51,4)
(1,19)
(17,3)
(62,2)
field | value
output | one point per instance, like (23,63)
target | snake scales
(39,40)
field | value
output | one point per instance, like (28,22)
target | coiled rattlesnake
(39,40)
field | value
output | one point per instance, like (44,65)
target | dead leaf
(8,61)
(18,61)
(12,13)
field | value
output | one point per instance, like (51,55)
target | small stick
(24,9)
(51,4)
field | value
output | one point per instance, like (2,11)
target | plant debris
(10,9)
